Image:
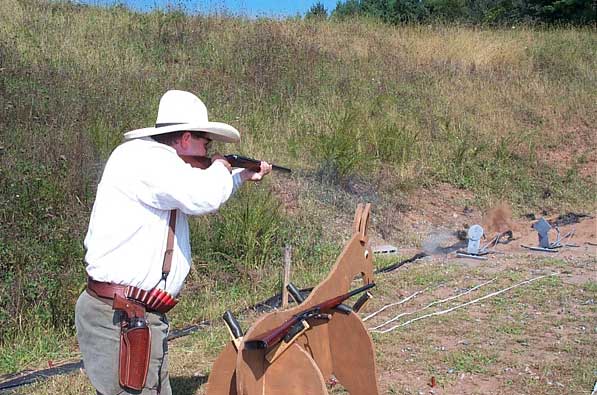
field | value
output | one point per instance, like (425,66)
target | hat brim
(217,131)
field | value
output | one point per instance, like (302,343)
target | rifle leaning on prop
(203,162)
(288,329)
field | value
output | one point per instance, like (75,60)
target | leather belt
(106,290)
(153,300)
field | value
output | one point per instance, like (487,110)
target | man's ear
(185,140)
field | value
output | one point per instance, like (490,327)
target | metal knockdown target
(543,227)
(474,249)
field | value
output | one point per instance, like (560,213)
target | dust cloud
(498,219)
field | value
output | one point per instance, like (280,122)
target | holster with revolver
(135,344)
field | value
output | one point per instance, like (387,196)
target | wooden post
(287,262)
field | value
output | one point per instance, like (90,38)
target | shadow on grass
(187,385)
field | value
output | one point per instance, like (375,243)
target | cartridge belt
(153,300)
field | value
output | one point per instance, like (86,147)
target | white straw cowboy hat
(180,110)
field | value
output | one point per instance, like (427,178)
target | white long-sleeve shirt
(142,181)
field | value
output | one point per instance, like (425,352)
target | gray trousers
(98,333)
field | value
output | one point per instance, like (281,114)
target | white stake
(286,280)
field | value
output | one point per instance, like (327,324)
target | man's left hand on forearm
(248,175)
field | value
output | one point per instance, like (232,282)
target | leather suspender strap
(169,246)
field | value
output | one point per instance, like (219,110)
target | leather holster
(135,349)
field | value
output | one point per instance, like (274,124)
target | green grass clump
(247,234)
(36,347)
(590,287)
(470,361)
(41,269)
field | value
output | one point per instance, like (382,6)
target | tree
(347,9)
(447,10)
(389,11)
(474,11)
(566,11)
(401,11)
(317,11)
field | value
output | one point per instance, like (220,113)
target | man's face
(193,144)
(200,144)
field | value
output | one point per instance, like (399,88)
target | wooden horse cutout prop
(332,345)
(222,379)
(341,346)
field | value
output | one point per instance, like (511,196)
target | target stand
(474,249)
(543,227)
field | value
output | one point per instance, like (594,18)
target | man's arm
(168,183)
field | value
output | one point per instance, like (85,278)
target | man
(138,251)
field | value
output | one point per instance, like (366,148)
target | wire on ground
(463,305)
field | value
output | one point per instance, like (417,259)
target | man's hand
(248,175)
(220,158)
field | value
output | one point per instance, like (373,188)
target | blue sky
(250,8)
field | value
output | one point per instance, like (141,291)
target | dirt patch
(578,151)
(287,191)
(532,340)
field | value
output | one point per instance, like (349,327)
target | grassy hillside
(507,114)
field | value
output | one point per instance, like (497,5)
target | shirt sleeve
(237,180)
(169,183)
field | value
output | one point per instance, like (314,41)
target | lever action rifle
(203,162)
(288,329)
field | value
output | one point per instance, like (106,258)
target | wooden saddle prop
(340,346)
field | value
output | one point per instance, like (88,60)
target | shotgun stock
(233,325)
(295,293)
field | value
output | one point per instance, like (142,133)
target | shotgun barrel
(251,164)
